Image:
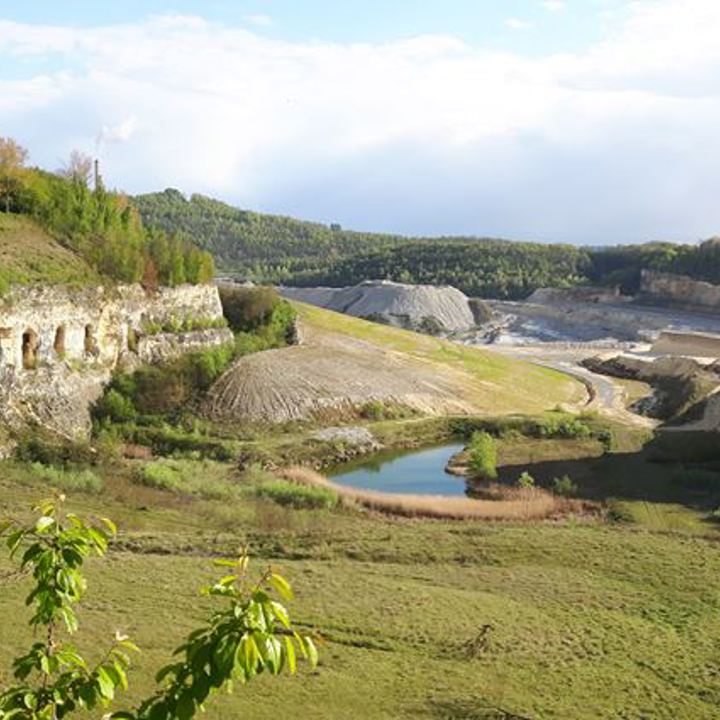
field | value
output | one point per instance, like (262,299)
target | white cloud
(259,19)
(554,5)
(517,24)
(421,135)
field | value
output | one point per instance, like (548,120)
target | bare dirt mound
(332,376)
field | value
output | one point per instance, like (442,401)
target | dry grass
(518,504)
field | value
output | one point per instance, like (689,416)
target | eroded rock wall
(59,346)
(679,290)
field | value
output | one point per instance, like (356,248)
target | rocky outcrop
(681,384)
(59,346)
(678,290)
(694,344)
(581,293)
(425,308)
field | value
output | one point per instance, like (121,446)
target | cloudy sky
(591,121)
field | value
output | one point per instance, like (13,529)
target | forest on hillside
(101,226)
(272,248)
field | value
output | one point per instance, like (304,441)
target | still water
(417,472)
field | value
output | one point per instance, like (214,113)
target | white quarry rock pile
(350,435)
(399,304)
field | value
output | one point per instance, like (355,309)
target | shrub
(297,496)
(483,455)
(373,410)
(115,406)
(564,486)
(526,480)
(248,308)
(36,447)
(72,480)
(204,479)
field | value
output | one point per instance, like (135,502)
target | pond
(415,472)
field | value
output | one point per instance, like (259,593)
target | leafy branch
(251,635)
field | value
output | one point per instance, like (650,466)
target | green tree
(483,455)
(12,167)
(251,635)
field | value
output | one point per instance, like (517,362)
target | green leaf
(105,684)
(311,650)
(290,654)
(129,645)
(185,707)
(281,585)
(110,525)
(280,613)
(222,562)
(44,523)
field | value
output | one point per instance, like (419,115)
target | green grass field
(587,619)
(28,255)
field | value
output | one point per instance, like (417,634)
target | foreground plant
(251,635)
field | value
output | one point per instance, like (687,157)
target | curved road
(609,395)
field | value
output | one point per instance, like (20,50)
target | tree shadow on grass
(675,467)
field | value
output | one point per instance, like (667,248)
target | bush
(526,480)
(483,455)
(373,410)
(115,406)
(77,480)
(564,486)
(204,479)
(36,447)
(297,496)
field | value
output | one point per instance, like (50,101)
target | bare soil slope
(345,363)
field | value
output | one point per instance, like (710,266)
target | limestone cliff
(59,346)
(679,290)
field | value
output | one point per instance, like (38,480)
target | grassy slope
(29,255)
(497,384)
(588,620)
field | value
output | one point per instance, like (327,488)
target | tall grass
(68,479)
(304,496)
(205,479)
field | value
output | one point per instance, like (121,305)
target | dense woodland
(271,248)
(100,225)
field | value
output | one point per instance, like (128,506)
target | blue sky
(578,120)
(479,22)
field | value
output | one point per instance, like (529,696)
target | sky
(584,121)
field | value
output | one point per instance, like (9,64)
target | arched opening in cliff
(29,349)
(59,343)
(91,346)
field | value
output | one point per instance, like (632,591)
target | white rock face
(59,345)
(398,304)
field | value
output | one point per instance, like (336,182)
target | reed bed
(519,503)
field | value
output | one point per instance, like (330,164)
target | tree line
(100,225)
(277,249)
